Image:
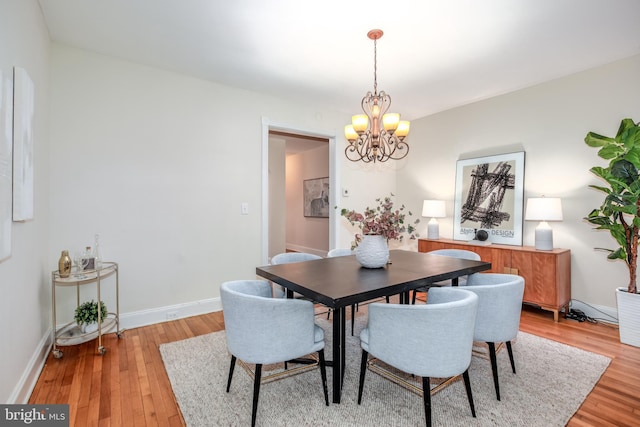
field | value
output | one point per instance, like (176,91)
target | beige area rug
(551,382)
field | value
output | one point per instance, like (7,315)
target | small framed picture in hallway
(315,196)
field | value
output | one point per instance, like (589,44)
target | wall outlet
(172,315)
(244,208)
(345,192)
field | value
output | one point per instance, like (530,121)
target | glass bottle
(96,253)
(64,264)
(88,260)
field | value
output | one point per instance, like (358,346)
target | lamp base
(544,237)
(433,230)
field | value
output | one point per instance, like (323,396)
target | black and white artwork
(315,194)
(489,196)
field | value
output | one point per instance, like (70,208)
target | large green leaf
(611,151)
(596,140)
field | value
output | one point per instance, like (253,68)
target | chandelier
(376,135)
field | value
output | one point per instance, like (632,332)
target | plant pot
(628,317)
(373,251)
(88,328)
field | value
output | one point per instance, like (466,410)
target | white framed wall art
(489,196)
(6,172)
(23,111)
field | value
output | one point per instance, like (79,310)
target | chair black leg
(494,367)
(363,370)
(467,386)
(426,399)
(323,374)
(353,317)
(510,350)
(231,367)
(387,298)
(256,392)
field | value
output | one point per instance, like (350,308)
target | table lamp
(433,209)
(544,209)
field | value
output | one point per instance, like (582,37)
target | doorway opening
(294,161)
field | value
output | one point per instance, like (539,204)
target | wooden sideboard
(547,274)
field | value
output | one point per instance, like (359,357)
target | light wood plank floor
(128,386)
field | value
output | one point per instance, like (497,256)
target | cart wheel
(102,350)
(57,354)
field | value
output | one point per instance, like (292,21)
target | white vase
(373,251)
(628,317)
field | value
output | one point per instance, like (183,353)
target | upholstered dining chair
(261,330)
(430,340)
(340,252)
(289,257)
(499,309)
(454,253)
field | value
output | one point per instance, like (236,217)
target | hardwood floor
(128,386)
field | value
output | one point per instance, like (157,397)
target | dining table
(340,282)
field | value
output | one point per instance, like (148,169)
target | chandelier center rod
(375,35)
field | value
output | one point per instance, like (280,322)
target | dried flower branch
(382,220)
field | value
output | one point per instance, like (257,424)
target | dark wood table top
(342,281)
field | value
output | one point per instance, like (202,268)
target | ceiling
(434,55)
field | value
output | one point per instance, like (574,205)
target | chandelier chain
(375,67)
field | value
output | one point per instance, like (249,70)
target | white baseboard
(140,318)
(22,391)
(299,248)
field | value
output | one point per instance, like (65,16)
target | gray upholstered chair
(340,252)
(286,258)
(261,330)
(454,253)
(499,309)
(430,340)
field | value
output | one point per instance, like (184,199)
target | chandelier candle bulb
(360,123)
(391,121)
(350,133)
(403,129)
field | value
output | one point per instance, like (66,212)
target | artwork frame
(315,197)
(6,164)
(23,128)
(489,195)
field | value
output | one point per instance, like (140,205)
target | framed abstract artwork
(489,196)
(6,154)
(23,110)
(315,195)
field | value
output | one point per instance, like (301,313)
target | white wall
(550,121)
(158,164)
(25,312)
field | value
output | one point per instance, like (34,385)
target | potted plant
(86,315)
(378,225)
(620,215)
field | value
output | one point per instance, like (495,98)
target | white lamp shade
(544,209)
(433,209)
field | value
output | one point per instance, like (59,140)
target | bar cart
(71,333)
